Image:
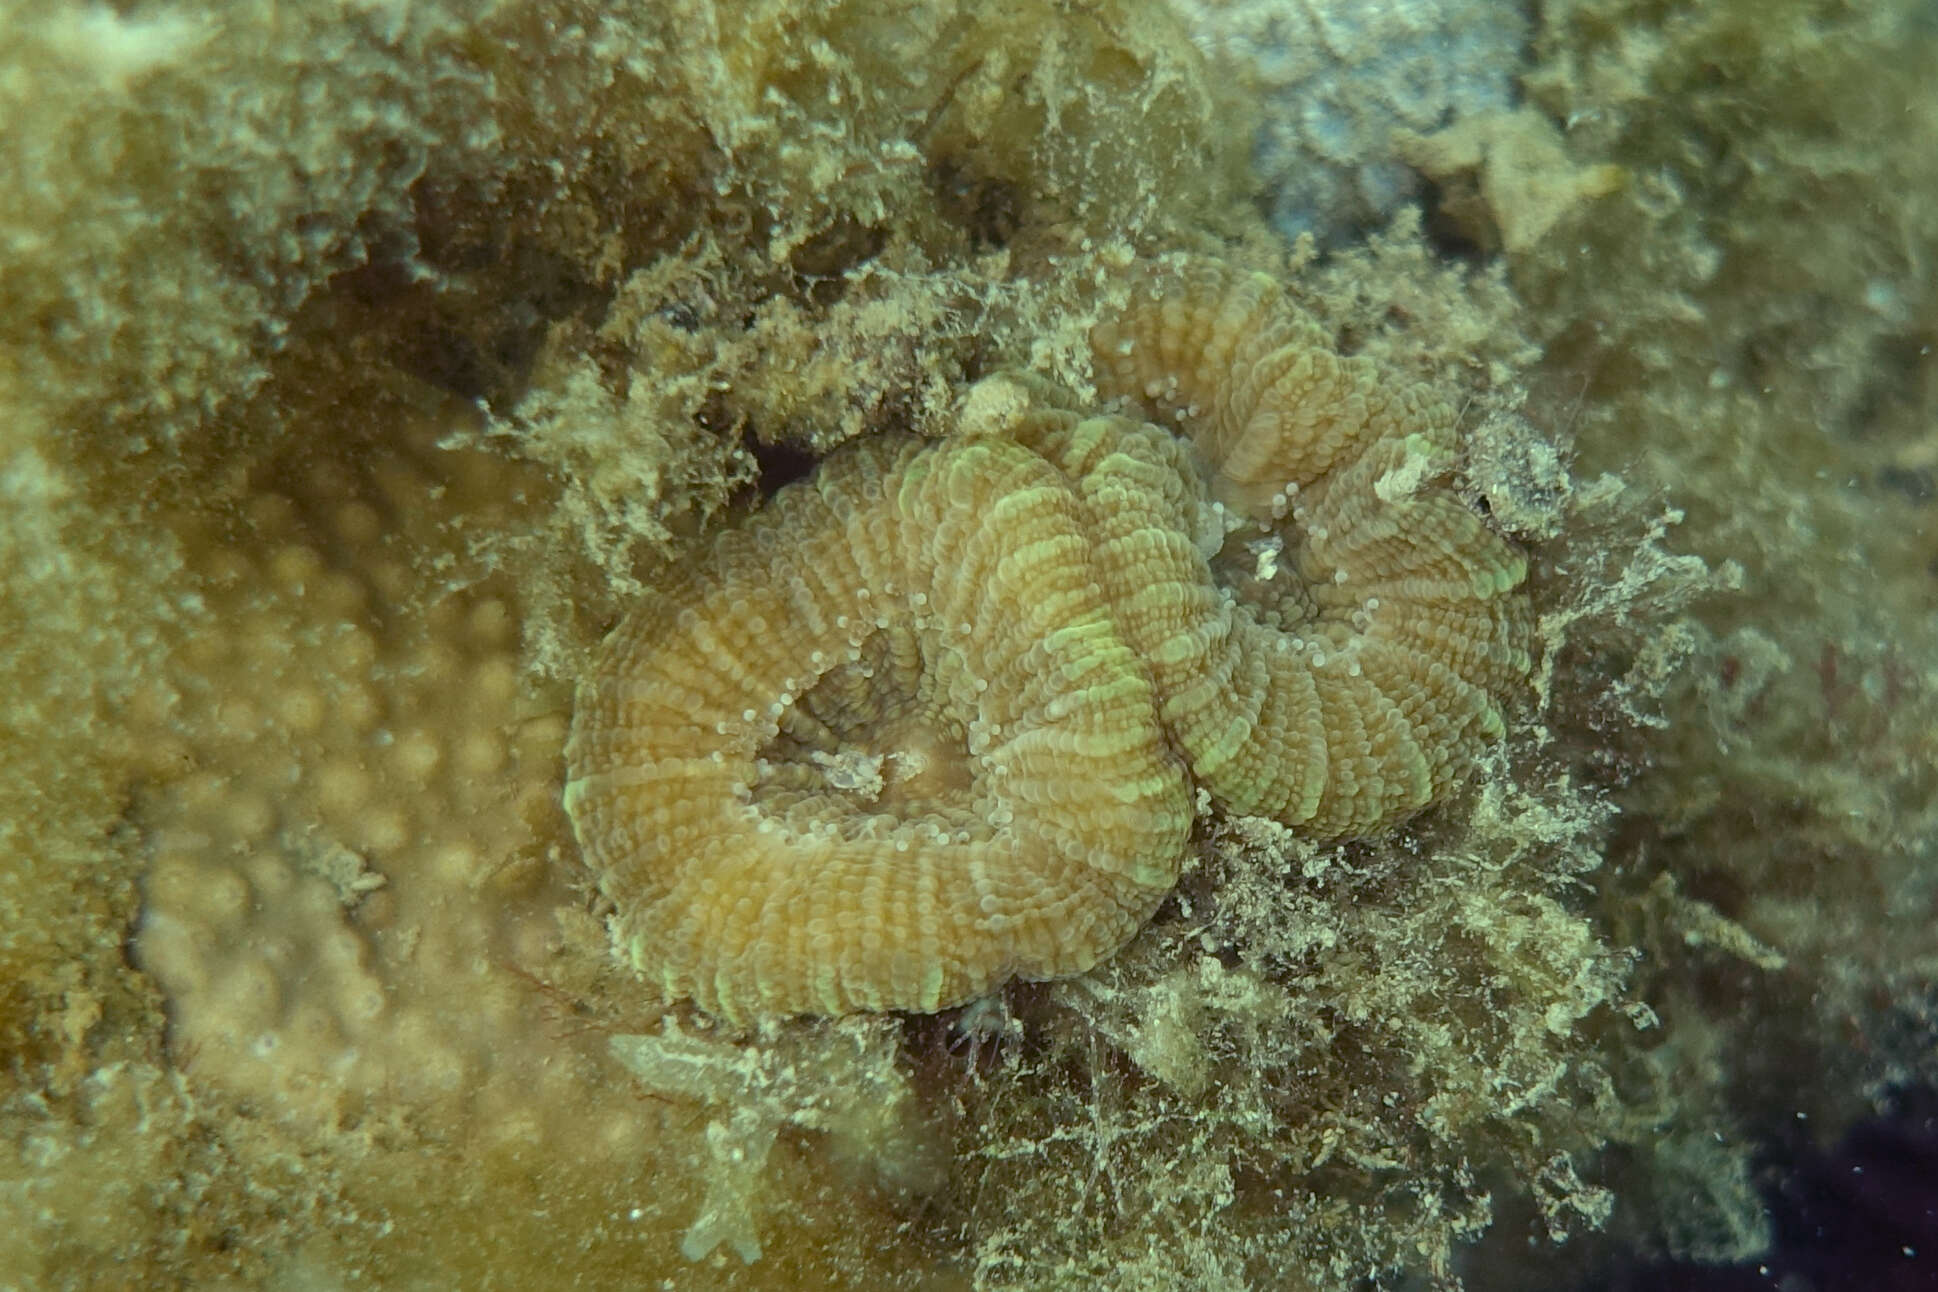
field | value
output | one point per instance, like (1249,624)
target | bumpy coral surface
(883,747)
(348,864)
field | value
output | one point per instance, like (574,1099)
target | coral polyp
(883,749)
(907,733)
(1344,649)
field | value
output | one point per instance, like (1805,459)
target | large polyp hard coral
(1333,656)
(882,748)
(908,733)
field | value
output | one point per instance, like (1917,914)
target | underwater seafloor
(362,359)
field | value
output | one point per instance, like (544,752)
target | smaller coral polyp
(1334,655)
(907,734)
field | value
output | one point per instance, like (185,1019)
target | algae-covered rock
(361,362)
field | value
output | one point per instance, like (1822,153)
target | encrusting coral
(884,746)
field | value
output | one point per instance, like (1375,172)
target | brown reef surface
(361,364)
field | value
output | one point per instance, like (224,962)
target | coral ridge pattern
(930,721)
